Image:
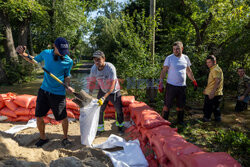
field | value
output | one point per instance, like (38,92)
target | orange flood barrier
(169,148)
(7,112)
(22,108)
(11,105)
(2,104)
(23,100)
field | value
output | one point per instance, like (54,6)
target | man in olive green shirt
(213,92)
(242,90)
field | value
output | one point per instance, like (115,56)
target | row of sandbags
(163,146)
(126,101)
(15,108)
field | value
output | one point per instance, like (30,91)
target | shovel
(81,98)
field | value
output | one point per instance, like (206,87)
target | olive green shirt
(243,84)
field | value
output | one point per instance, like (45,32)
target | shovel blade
(82,98)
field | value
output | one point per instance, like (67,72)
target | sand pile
(19,150)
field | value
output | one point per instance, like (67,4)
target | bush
(235,143)
(18,73)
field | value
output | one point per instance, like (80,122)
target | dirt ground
(21,145)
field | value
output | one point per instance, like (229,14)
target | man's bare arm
(190,74)
(163,73)
(67,82)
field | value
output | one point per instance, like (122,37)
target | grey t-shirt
(105,77)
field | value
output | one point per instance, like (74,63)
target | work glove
(195,85)
(160,87)
(101,101)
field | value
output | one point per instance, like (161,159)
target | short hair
(178,43)
(211,57)
(240,68)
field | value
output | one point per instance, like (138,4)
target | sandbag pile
(163,146)
(126,101)
(21,108)
(15,108)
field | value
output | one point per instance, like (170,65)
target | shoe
(41,142)
(121,130)
(66,142)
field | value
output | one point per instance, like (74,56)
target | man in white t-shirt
(177,65)
(104,73)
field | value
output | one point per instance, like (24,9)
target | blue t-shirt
(60,68)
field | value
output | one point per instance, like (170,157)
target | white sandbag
(131,155)
(89,118)
(31,124)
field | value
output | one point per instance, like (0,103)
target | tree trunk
(51,13)
(200,31)
(3,78)
(9,46)
(30,41)
(23,33)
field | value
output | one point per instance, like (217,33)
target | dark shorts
(46,101)
(175,92)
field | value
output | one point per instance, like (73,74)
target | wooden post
(151,90)
(152,14)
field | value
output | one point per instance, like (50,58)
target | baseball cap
(98,54)
(62,45)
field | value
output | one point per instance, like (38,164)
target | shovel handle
(50,74)
(55,78)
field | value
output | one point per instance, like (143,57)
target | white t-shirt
(177,69)
(105,77)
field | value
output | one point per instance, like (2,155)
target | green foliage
(67,18)
(69,21)
(235,143)
(21,9)
(18,73)
(125,40)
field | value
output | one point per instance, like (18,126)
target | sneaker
(66,142)
(41,142)
(121,130)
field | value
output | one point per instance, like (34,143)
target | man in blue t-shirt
(51,94)
(178,66)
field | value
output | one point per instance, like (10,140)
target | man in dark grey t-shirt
(104,73)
